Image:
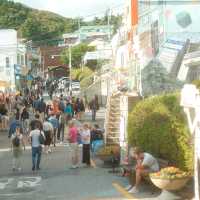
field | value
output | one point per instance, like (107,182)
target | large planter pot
(169,186)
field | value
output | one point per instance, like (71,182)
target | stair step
(113,133)
(112,137)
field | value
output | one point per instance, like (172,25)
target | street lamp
(190,100)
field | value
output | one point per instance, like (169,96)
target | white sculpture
(190,100)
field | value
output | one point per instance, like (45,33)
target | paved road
(56,180)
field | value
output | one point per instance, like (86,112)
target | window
(1,68)
(7,62)
(18,59)
(22,59)
(8,72)
(143,6)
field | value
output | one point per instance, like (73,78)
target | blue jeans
(61,132)
(36,157)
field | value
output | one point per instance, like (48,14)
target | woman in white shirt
(85,138)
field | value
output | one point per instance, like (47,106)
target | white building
(12,59)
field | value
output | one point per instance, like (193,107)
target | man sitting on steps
(146,164)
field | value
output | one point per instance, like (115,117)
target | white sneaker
(73,167)
(19,169)
(49,151)
(128,187)
(133,190)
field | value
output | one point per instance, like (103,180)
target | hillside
(34,24)
(42,26)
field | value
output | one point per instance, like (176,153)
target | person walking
(82,106)
(42,109)
(73,136)
(61,127)
(25,120)
(48,132)
(78,108)
(35,121)
(35,140)
(55,123)
(17,142)
(13,125)
(85,138)
(94,106)
(68,111)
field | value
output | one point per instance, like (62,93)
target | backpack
(16,141)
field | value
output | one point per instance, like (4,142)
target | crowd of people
(30,120)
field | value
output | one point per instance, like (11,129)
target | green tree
(77,53)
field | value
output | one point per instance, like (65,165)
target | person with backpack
(37,139)
(42,108)
(17,142)
(13,125)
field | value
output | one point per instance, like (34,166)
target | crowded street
(99,100)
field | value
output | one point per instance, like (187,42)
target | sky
(74,8)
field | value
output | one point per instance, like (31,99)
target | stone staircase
(112,122)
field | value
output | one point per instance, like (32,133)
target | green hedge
(158,125)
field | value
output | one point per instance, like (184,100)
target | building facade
(12,60)
(50,62)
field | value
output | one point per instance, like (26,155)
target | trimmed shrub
(158,125)
(197,83)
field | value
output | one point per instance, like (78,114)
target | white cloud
(73,8)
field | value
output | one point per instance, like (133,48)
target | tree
(77,53)
(156,79)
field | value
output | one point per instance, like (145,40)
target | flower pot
(170,184)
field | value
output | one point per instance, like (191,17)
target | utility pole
(79,29)
(70,68)
(108,23)
(43,66)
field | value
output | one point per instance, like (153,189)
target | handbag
(41,138)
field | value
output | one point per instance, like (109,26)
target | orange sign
(134,12)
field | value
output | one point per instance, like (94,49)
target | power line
(103,11)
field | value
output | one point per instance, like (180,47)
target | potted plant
(106,153)
(170,179)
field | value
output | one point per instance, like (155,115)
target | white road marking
(3,185)
(22,182)
(26,183)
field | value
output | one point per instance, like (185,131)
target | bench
(127,170)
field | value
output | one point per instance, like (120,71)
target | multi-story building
(50,62)
(12,60)
(138,40)
(88,34)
